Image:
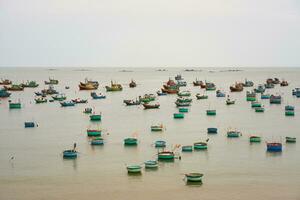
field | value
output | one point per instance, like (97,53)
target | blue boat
(97,141)
(219,93)
(160,143)
(95,96)
(274,147)
(161,93)
(67,103)
(212,130)
(70,154)
(289,108)
(29,124)
(265,96)
(4,93)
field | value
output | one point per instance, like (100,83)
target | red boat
(151,106)
(169,91)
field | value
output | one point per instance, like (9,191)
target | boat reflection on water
(72,161)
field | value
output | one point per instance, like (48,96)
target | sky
(153,33)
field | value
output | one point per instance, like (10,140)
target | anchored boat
(130,141)
(212,130)
(274,147)
(156,128)
(178,115)
(194,177)
(187,148)
(134,169)
(290,139)
(254,138)
(94,95)
(97,141)
(151,164)
(114,87)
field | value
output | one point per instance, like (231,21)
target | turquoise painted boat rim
(134,168)
(194,177)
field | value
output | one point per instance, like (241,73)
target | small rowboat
(160,143)
(130,141)
(265,96)
(161,93)
(132,102)
(211,112)
(187,148)
(183,110)
(289,108)
(259,109)
(156,128)
(290,139)
(134,169)
(166,155)
(67,103)
(59,97)
(88,110)
(274,147)
(70,154)
(275,99)
(95,117)
(94,95)
(151,106)
(178,115)
(16,105)
(93,132)
(230,102)
(200,146)
(97,141)
(255,139)
(199,96)
(184,93)
(79,101)
(29,124)
(194,177)
(255,104)
(233,134)
(182,104)
(219,93)
(151,164)
(212,130)
(40,100)
(289,113)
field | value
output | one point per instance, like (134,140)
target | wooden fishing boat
(219,93)
(166,155)
(88,110)
(71,154)
(200,146)
(248,83)
(59,97)
(233,133)
(169,91)
(197,83)
(199,96)
(132,102)
(194,177)
(151,164)
(255,104)
(184,93)
(50,90)
(284,83)
(132,84)
(182,104)
(14,105)
(134,169)
(178,115)
(210,86)
(29,124)
(114,87)
(251,96)
(94,95)
(238,87)
(160,144)
(289,113)
(5,82)
(147,98)
(156,128)
(259,109)
(274,147)
(130,141)
(40,100)
(290,139)
(95,117)
(275,99)
(187,148)
(4,93)
(14,87)
(265,96)
(151,106)
(30,84)
(88,85)
(78,101)
(94,132)
(260,89)
(212,130)
(51,82)
(254,138)
(183,110)
(67,103)
(97,141)
(211,112)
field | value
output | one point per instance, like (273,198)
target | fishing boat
(95,117)
(274,147)
(265,96)
(151,106)
(178,115)
(30,84)
(5,82)
(67,103)
(78,101)
(147,98)
(134,169)
(238,87)
(67,87)
(275,99)
(197,83)
(199,96)
(183,110)
(132,102)
(269,85)
(254,138)
(70,154)
(49,91)
(94,132)
(260,89)
(211,112)
(200,146)
(290,139)
(94,95)
(132,84)
(194,177)
(88,110)
(166,155)
(260,109)
(255,104)
(97,141)
(284,83)
(219,93)
(229,101)
(248,83)
(156,128)
(182,104)
(233,133)
(184,100)
(29,124)
(289,108)
(151,164)
(14,105)
(59,97)
(169,91)
(251,96)
(289,113)
(4,93)
(40,100)
(294,91)
(187,148)
(114,87)
(159,93)
(178,77)
(160,144)
(212,130)
(130,141)
(184,93)
(210,86)
(88,85)
(51,82)
(14,87)
(181,83)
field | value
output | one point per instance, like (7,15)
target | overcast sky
(161,33)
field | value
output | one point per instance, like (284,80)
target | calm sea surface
(233,168)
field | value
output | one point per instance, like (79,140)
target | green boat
(134,169)
(255,139)
(178,115)
(199,96)
(114,87)
(211,112)
(59,97)
(251,96)
(183,110)
(184,100)
(193,177)
(30,84)
(233,134)
(40,100)
(290,139)
(130,141)
(259,109)
(147,98)
(151,164)
(200,146)
(95,117)
(166,155)
(184,93)
(16,105)
(255,104)
(289,113)
(156,128)
(97,141)
(93,132)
